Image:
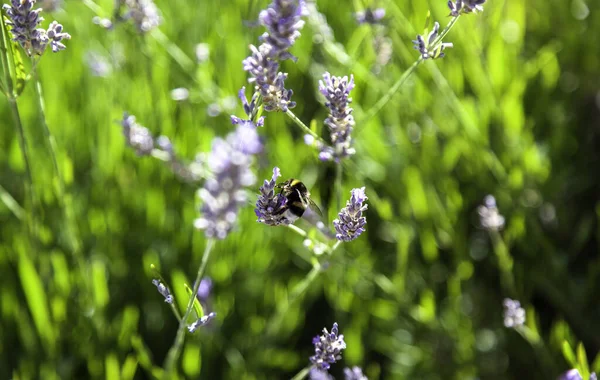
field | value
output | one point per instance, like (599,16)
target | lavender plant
(351,222)
(24,21)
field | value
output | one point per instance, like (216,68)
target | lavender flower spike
(351,222)
(265,75)
(144,13)
(269,204)
(24,22)
(430,48)
(223,194)
(136,136)
(514,314)
(328,348)
(201,322)
(340,120)
(465,6)
(283,22)
(162,289)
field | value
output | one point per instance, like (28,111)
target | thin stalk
(303,126)
(388,95)
(338,185)
(297,230)
(71,225)
(29,188)
(394,89)
(302,374)
(177,347)
(5,59)
(11,203)
(297,291)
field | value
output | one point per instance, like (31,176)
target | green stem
(11,203)
(297,291)
(29,188)
(297,230)
(335,246)
(505,263)
(302,374)
(70,223)
(177,347)
(388,96)
(338,185)
(303,126)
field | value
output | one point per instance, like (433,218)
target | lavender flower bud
(354,374)
(249,108)
(340,120)
(514,314)
(283,22)
(328,348)
(137,136)
(144,13)
(465,6)
(351,222)
(201,322)
(270,206)
(489,216)
(162,289)
(224,193)
(24,21)
(430,48)
(56,35)
(268,80)
(370,16)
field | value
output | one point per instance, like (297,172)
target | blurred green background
(513,110)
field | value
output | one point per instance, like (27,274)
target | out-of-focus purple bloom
(328,348)
(162,289)
(514,314)
(340,120)
(201,322)
(370,16)
(180,94)
(137,136)
(144,13)
(24,21)
(429,47)
(204,289)
(351,222)
(269,205)
(465,6)
(572,374)
(319,374)
(223,194)
(283,20)
(489,216)
(99,65)
(354,373)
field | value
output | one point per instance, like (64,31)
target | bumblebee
(297,199)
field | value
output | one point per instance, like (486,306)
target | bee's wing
(314,206)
